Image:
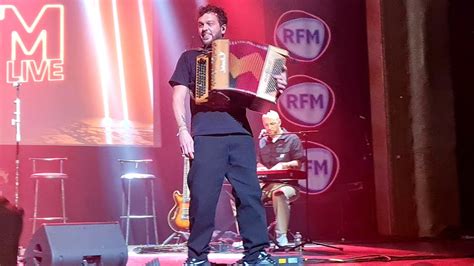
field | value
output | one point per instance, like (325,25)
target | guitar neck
(185,180)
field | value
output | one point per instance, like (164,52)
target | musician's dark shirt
(207,120)
(287,148)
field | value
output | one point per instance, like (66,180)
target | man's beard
(212,38)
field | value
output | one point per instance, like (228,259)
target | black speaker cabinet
(77,244)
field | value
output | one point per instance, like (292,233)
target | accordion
(239,71)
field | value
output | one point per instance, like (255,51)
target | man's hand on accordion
(282,80)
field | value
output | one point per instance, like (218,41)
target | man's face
(271,125)
(209,28)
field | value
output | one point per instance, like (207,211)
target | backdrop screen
(84,69)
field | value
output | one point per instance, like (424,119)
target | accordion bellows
(239,71)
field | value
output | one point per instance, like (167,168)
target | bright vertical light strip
(146,48)
(175,43)
(118,44)
(96,26)
(201,2)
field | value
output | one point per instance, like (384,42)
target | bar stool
(138,170)
(39,165)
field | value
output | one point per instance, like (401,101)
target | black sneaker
(263,259)
(196,262)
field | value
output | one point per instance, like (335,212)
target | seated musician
(278,151)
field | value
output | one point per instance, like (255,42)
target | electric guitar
(178,217)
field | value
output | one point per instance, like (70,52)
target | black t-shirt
(207,120)
(287,147)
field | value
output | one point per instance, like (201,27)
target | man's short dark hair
(221,15)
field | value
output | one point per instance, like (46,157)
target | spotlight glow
(97,29)
(118,44)
(146,49)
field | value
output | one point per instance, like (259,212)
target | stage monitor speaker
(77,244)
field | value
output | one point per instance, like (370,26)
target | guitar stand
(179,236)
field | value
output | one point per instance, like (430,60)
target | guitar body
(178,217)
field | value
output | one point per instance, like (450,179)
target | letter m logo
(32,41)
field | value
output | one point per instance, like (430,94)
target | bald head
(271,115)
(272,123)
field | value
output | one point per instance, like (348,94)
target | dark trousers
(233,157)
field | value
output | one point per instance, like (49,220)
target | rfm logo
(306,36)
(307,102)
(33,56)
(323,168)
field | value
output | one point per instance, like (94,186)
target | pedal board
(283,260)
(290,260)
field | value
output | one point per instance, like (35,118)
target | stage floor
(422,252)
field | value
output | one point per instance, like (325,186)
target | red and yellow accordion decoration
(239,71)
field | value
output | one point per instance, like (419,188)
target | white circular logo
(307,103)
(323,167)
(304,35)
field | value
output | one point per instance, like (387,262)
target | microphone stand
(307,240)
(16,123)
(303,136)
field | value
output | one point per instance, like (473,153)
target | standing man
(279,150)
(220,145)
